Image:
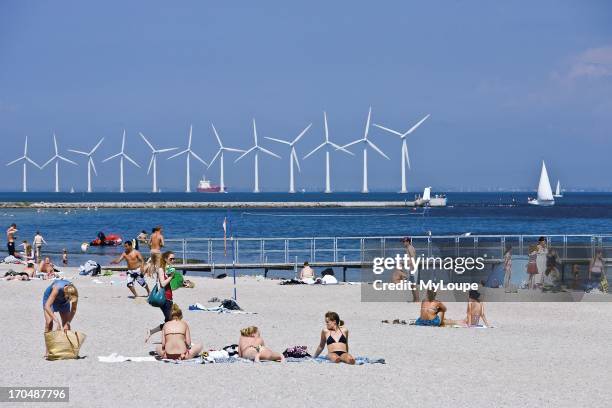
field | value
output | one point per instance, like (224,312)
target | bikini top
(331,340)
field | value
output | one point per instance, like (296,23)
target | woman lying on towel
(251,345)
(176,338)
(336,337)
(431,309)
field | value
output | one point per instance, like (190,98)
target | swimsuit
(11,248)
(135,275)
(61,304)
(331,340)
(433,322)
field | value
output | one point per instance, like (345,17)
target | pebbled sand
(546,354)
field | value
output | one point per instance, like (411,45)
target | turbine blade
(245,153)
(15,161)
(146,141)
(151,163)
(354,143)
(214,158)
(297,162)
(170,149)
(48,162)
(25,147)
(32,162)
(373,146)
(326,129)
(407,155)
(178,154)
(395,132)
(66,160)
(78,152)
(96,147)
(55,143)
(93,166)
(335,146)
(367,128)
(412,129)
(314,151)
(301,134)
(269,152)
(112,157)
(231,149)
(123,142)
(128,158)
(198,158)
(255,131)
(217,135)
(190,132)
(278,140)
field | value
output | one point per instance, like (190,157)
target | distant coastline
(214,205)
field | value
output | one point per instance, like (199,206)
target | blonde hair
(176,313)
(71,293)
(249,331)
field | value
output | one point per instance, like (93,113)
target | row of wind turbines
(328,146)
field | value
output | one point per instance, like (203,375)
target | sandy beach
(539,354)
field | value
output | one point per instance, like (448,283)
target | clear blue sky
(507,84)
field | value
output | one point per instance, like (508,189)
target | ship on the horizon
(205,186)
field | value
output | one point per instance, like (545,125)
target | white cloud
(592,63)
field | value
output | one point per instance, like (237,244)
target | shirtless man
(47,267)
(411,252)
(134,261)
(10,236)
(307,273)
(156,242)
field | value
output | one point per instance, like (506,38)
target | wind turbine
(153,162)
(366,142)
(26,160)
(256,149)
(220,152)
(57,157)
(188,153)
(292,155)
(327,144)
(121,156)
(90,163)
(405,157)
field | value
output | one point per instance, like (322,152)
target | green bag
(177,278)
(157,297)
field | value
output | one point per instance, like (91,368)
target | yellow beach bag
(63,344)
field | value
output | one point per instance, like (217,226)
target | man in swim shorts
(135,262)
(10,237)
(156,242)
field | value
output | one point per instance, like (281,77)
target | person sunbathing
(47,267)
(176,338)
(335,336)
(251,346)
(431,310)
(475,315)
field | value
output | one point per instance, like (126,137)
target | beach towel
(12,260)
(218,309)
(116,358)
(358,360)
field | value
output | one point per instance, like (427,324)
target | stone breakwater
(227,204)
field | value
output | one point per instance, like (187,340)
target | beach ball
(84,246)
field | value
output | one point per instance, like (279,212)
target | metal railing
(359,249)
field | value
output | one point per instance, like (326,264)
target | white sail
(558,189)
(544,188)
(427,194)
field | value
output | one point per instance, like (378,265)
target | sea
(474,213)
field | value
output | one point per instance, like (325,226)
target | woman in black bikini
(335,336)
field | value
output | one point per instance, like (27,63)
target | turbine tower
(121,156)
(25,160)
(256,148)
(90,163)
(57,157)
(327,144)
(188,153)
(153,162)
(405,156)
(366,143)
(220,152)
(292,156)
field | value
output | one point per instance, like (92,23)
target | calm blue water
(478,213)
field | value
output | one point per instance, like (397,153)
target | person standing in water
(10,238)
(38,242)
(507,267)
(156,243)
(134,261)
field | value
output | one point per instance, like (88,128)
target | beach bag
(63,344)
(157,297)
(177,279)
(230,304)
(296,352)
(604,283)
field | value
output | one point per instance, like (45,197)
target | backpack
(230,304)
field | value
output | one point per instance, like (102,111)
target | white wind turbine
(90,163)
(327,144)
(366,142)
(405,156)
(121,156)
(26,160)
(256,149)
(220,152)
(153,162)
(188,153)
(292,156)
(57,157)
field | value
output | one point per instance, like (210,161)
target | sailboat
(558,190)
(545,195)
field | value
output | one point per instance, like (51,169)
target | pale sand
(546,354)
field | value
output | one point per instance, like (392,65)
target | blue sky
(507,84)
